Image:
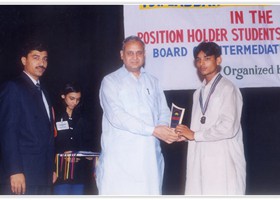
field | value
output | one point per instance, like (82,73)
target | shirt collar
(32,79)
(125,72)
(211,82)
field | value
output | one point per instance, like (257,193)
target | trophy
(177,115)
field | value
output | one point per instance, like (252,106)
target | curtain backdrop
(84,46)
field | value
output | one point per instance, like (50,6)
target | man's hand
(18,185)
(165,134)
(54,177)
(181,139)
(184,131)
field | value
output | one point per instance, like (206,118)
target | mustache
(42,67)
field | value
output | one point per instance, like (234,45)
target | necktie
(43,98)
(38,87)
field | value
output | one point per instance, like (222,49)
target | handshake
(170,135)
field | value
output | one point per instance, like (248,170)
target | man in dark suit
(26,130)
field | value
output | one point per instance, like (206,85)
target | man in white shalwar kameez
(215,161)
(135,117)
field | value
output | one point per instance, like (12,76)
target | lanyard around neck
(213,86)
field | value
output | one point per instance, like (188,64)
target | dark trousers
(69,189)
(30,190)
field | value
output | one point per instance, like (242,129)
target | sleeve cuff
(198,136)
(149,130)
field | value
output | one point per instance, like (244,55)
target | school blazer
(27,135)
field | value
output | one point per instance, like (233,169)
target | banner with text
(248,35)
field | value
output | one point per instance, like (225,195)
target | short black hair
(209,48)
(31,45)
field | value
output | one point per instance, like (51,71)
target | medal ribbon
(213,86)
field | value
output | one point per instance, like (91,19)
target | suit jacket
(26,133)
